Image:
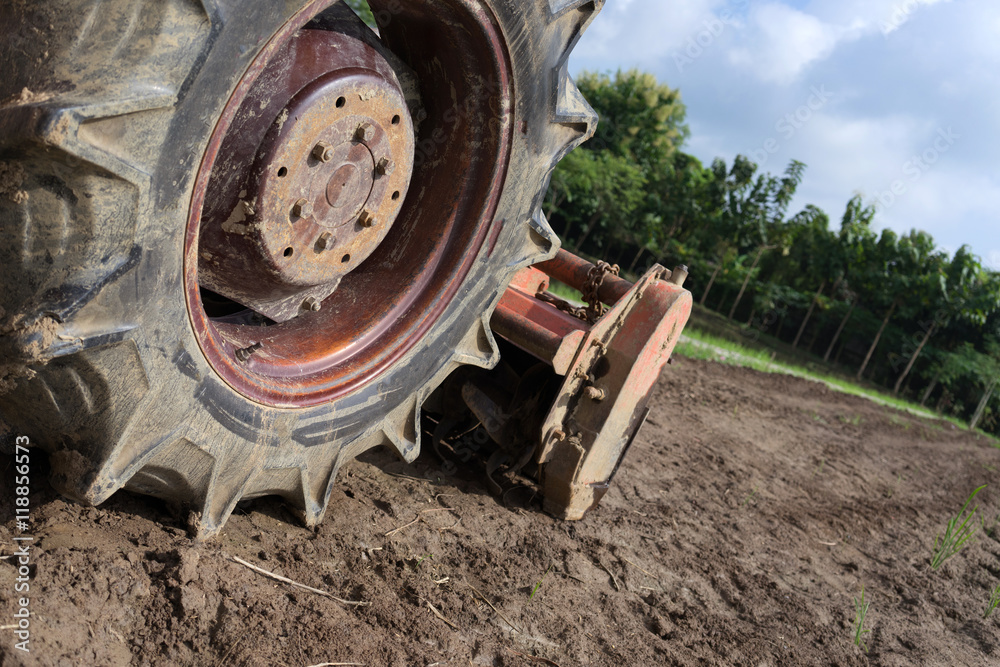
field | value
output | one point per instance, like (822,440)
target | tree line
(893,310)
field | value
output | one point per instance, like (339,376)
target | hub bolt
(302,208)
(385,167)
(364,133)
(366,218)
(311,303)
(323,152)
(595,394)
(325,241)
(243,354)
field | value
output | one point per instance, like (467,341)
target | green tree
(641,119)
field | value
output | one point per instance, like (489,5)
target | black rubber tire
(108,108)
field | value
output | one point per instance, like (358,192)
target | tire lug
(323,151)
(311,303)
(302,208)
(366,218)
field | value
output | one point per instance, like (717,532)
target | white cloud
(870,14)
(642,31)
(783,41)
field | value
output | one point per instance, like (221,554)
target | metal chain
(594,309)
(578,312)
(595,277)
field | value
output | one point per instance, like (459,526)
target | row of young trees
(894,310)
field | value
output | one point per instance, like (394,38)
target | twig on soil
(229,651)
(419,517)
(396,530)
(637,567)
(614,579)
(535,658)
(567,574)
(451,527)
(286,580)
(7,627)
(338,664)
(828,544)
(396,474)
(499,613)
(440,615)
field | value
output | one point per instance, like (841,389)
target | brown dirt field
(751,510)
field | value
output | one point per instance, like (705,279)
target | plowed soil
(749,514)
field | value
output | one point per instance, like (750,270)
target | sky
(896,100)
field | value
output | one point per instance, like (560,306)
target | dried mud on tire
(751,510)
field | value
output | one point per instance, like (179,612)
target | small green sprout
(750,496)
(994,602)
(539,584)
(860,613)
(957,534)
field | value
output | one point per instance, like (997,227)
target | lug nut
(364,133)
(559,434)
(385,167)
(595,394)
(302,208)
(366,218)
(325,241)
(323,152)
(311,303)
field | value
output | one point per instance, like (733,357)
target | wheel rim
(396,220)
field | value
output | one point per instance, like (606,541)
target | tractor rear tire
(110,117)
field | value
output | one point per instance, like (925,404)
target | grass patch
(696,344)
(957,534)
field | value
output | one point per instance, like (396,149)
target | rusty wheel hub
(346,193)
(327,182)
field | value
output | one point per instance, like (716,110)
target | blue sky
(898,100)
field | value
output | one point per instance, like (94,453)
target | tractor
(244,241)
